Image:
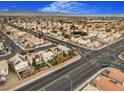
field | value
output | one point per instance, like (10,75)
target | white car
(2,79)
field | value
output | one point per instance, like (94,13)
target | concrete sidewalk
(120,56)
(89,80)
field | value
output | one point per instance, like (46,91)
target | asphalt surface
(71,76)
(16,49)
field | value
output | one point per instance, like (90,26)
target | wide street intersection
(71,76)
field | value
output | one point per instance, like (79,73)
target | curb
(47,44)
(89,80)
(89,48)
(76,58)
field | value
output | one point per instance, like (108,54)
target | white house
(63,48)
(34,57)
(19,64)
(47,56)
(4,68)
(37,59)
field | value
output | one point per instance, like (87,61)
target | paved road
(80,70)
(56,41)
(16,49)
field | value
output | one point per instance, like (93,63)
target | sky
(69,7)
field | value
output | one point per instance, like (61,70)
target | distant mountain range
(30,13)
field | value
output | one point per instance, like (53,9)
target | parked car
(2,79)
(106,65)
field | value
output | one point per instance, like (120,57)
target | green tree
(84,34)
(34,63)
(8,33)
(54,61)
(61,29)
(80,33)
(65,55)
(61,57)
(57,59)
(71,54)
(72,27)
(67,36)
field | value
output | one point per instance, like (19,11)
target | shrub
(80,33)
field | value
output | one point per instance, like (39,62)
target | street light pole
(67,76)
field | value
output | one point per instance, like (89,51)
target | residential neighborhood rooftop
(110,79)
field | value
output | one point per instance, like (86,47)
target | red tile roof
(117,75)
(104,83)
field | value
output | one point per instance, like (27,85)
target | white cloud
(68,7)
(5,9)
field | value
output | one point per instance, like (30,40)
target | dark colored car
(106,65)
